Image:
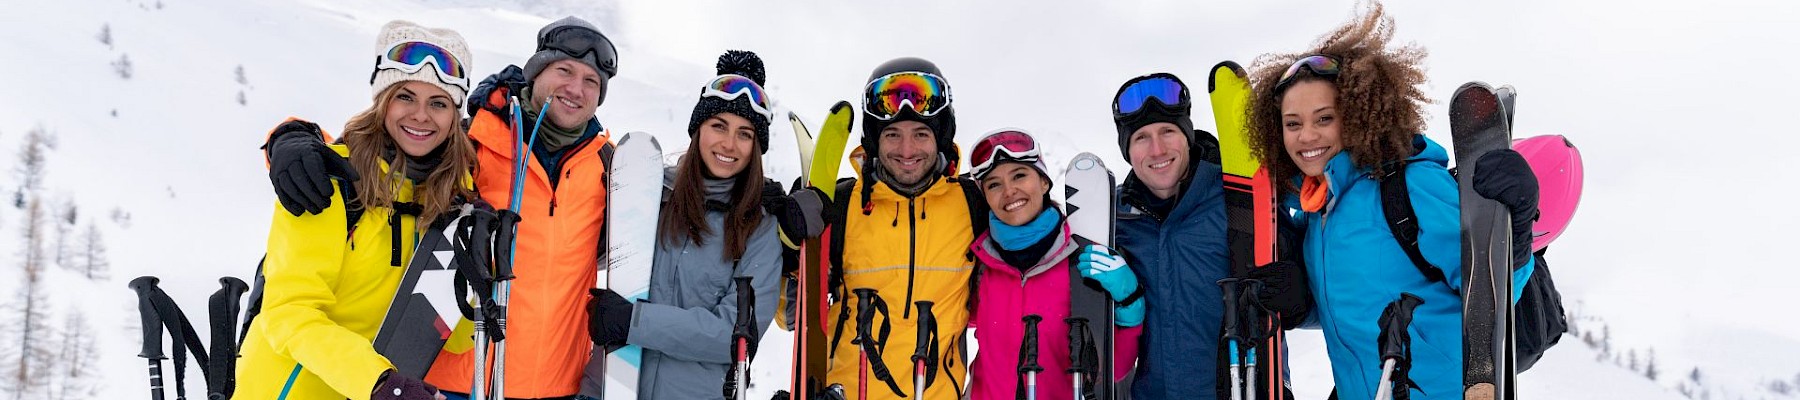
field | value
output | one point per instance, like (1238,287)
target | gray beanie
(572,38)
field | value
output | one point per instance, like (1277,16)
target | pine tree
(1650,370)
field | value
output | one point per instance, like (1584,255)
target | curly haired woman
(1331,122)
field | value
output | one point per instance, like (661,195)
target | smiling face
(727,141)
(908,151)
(1015,192)
(419,117)
(574,90)
(1159,157)
(1309,125)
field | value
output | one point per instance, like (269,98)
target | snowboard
(1250,212)
(809,344)
(424,311)
(1479,124)
(1089,202)
(633,203)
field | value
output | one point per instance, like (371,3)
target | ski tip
(1227,66)
(645,135)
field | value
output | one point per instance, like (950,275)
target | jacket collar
(989,254)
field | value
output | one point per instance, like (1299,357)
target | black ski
(1478,124)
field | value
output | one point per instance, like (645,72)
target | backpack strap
(835,227)
(978,208)
(1396,205)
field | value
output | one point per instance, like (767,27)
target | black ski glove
(492,93)
(1503,175)
(392,386)
(609,318)
(301,167)
(777,203)
(1284,290)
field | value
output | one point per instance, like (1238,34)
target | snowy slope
(173,147)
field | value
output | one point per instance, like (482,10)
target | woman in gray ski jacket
(712,228)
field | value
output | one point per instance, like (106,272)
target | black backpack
(1538,321)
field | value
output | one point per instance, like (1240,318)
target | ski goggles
(1163,88)
(1004,145)
(732,86)
(412,57)
(579,42)
(924,93)
(1321,65)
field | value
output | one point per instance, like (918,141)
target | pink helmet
(1557,165)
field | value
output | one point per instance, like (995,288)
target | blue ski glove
(1100,264)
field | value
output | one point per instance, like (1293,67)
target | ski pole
(1028,355)
(924,348)
(153,349)
(1078,370)
(1396,348)
(221,381)
(1233,328)
(864,296)
(738,386)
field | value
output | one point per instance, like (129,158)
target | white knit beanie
(401,31)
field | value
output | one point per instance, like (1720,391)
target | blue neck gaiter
(1015,238)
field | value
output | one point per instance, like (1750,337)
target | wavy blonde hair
(367,137)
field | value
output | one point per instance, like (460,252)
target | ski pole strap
(165,314)
(1084,356)
(925,349)
(869,305)
(1396,343)
(222,307)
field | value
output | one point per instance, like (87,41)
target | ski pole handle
(924,348)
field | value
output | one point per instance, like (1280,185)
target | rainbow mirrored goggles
(1319,64)
(923,93)
(1163,88)
(732,86)
(411,57)
(1003,145)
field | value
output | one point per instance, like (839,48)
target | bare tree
(91,259)
(105,36)
(64,228)
(75,375)
(29,368)
(123,66)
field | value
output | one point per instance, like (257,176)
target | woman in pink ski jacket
(1022,268)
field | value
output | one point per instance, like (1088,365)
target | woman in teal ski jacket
(1329,124)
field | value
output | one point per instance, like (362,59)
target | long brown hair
(1380,104)
(367,136)
(684,216)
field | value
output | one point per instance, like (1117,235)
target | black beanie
(735,62)
(1154,112)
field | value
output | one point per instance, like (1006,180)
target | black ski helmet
(943,124)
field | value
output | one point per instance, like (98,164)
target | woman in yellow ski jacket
(330,276)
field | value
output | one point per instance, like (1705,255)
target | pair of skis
(1480,121)
(1253,339)
(820,158)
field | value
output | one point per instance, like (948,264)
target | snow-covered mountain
(158,107)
